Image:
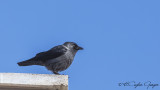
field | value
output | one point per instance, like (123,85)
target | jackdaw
(56,59)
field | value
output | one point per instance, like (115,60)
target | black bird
(56,59)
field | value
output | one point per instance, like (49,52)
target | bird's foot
(56,73)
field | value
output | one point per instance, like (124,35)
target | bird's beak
(79,48)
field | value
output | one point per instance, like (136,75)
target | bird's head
(73,45)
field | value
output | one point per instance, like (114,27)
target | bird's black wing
(50,54)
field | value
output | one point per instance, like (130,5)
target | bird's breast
(61,63)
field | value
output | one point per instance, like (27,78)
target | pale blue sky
(121,39)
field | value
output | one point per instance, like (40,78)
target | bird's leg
(56,73)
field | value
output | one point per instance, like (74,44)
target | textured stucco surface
(24,81)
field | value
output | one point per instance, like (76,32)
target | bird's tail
(28,63)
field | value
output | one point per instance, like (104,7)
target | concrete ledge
(22,81)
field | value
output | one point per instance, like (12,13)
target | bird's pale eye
(74,45)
